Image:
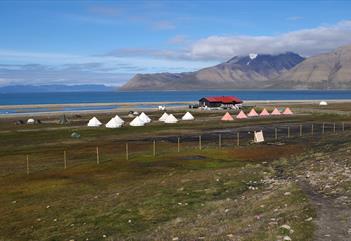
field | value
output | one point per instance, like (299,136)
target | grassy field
(246,192)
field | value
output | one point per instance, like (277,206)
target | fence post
(154,148)
(27,165)
(219,141)
(178,144)
(275,134)
(312,129)
(238,138)
(200,147)
(300,130)
(97,155)
(343,126)
(127,152)
(288,131)
(323,128)
(64,160)
(334,128)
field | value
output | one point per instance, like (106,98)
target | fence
(164,145)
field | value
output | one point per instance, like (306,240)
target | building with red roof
(219,101)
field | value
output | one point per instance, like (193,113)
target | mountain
(326,71)
(240,72)
(53,88)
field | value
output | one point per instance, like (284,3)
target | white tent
(323,103)
(144,118)
(163,117)
(137,122)
(188,116)
(113,123)
(30,121)
(94,122)
(118,119)
(171,119)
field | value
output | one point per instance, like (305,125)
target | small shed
(220,101)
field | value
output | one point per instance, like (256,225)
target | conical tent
(227,117)
(171,119)
(137,122)
(241,115)
(30,121)
(188,116)
(113,123)
(118,119)
(144,118)
(163,117)
(252,113)
(94,122)
(264,112)
(275,112)
(287,111)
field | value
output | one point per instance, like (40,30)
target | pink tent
(252,113)
(264,112)
(227,117)
(287,111)
(275,112)
(241,115)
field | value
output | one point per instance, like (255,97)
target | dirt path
(333,219)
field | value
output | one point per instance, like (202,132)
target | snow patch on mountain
(253,56)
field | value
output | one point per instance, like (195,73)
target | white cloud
(305,42)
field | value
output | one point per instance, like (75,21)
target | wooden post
(127,152)
(343,126)
(27,165)
(97,155)
(300,130)
(288,131)
(200,147)
(334,128)
(323,128)
(154,148)
(219,141)
(312,129)
(178,144)
(238,139)
(275,133)
(64,160)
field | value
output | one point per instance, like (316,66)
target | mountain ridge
(238,72)
(287,70)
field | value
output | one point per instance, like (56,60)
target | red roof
(223,99)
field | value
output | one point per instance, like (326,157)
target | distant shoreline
(134,106)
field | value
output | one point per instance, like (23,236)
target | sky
(108,42)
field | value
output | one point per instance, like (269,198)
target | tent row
(253,113)
(141,120)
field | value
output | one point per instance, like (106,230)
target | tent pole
(343,126)
(300,130)
(154,148)
(288,131)
(275,133)
(323,128)
(312,129)
(334,128)
(238,138)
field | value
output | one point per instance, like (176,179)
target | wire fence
(152,147)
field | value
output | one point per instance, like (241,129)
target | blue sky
(107,42)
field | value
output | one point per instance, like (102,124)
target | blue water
(154,96)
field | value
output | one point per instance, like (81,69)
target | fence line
(225,139)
